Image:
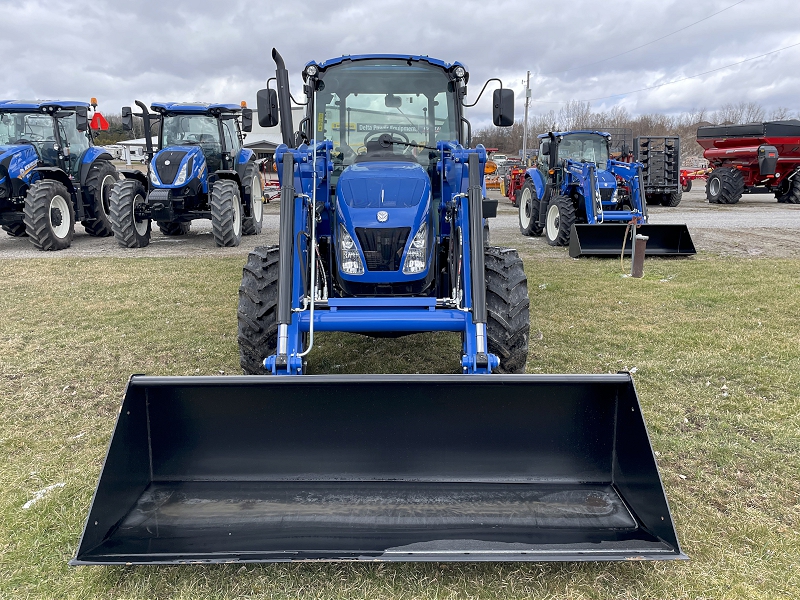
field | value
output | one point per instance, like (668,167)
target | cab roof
(45,106)
(409,57)
(194,108)
(563,133)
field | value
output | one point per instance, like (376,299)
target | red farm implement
(752,158)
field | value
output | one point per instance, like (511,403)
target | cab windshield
(358,101)
(27,128)
(584,147)
(190,130)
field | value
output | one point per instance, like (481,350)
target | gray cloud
(214,51)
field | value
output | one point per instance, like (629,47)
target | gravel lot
(756,226)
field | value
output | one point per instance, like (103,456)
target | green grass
(714,343)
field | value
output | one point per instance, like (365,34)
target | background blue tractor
(579,197)
(51,174)
(198,170)
(381,233)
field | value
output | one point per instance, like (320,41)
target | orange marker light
(93,102)
(244,104)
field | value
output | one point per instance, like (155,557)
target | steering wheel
(388,132)
(21,141)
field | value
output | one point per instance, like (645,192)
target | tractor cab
(213,129)
(58,132)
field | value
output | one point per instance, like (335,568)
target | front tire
(226,213)
(15,230)
(258,309)
(725,186)
(507,308)
(98,188)
(49,215)
(687,187)
(254,191)
(127,198)
(528,204)
(559,220)
(672,200)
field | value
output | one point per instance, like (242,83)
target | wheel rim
(553,221)
(141,226)
(525,207)
(237,215)
(59,217)
(105,197)
(713,186)
(258,205)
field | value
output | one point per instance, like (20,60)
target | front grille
(167,173)
(383,248)
(606,193)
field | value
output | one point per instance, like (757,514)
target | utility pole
(525,125)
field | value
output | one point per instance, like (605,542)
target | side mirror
(81,118)
(127,118)
(267,107)
(545,148)
(247,119)
(503,107)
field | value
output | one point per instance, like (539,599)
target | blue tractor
(51,174)
(381,233)
(198,170)
(579,197)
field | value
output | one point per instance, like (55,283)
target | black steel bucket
(606,240)
(379,467)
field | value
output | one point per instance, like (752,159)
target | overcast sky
(182,50)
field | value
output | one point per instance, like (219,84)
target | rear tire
(98,187)
(528,204)
(15,230)
(226,213)
(725,186)
(258,309)
(508,309)
(672,200)
(126,196)
(169,228)
(254,196)
(49,215)
(559,220)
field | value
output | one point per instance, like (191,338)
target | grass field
(714,344)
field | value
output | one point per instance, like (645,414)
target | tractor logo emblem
(383,216)
(166,162)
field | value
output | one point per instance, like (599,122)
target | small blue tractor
(198,170)
(382,234)
(51,174)
(577,196)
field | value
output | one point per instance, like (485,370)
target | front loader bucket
(381,467)
(606,240)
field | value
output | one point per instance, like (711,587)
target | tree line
(579,115)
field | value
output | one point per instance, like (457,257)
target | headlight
(417,252)
(182,174)
(349,258)
(153,177)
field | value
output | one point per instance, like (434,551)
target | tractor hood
(605,179)
(177,165)
(382,206)
(19,160)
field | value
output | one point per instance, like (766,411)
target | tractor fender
(55,174)
(538,181)
(134,174)
(227,174)
(245,157)
(94,153)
